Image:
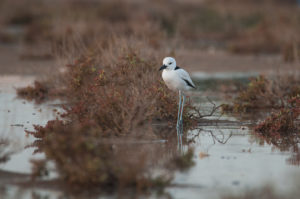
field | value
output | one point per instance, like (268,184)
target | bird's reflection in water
(179,141)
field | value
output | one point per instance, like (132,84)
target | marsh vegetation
(113,124)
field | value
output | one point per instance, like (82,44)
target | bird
(177,79)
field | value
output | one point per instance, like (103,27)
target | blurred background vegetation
(237,26)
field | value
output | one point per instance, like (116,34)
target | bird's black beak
(163,67)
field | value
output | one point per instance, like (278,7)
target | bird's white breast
(173,80)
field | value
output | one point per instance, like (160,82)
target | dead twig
(196,115)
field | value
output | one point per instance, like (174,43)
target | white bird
(177,79)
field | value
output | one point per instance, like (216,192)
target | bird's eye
(170,63)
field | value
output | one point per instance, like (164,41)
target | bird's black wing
(189,83)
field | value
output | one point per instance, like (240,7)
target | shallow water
(220,168)
(232,167)
(17,116)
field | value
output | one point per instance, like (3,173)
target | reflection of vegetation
(183,162)
(4,154)
(83,157)
(295,157)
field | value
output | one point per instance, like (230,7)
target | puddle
(16,117)
(240,163)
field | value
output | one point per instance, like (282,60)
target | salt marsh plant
(106,106)
(265,93)
(282,127)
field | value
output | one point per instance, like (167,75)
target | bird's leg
(179,106)
(180,121)
(179,144)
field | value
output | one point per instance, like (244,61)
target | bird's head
(169,63)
